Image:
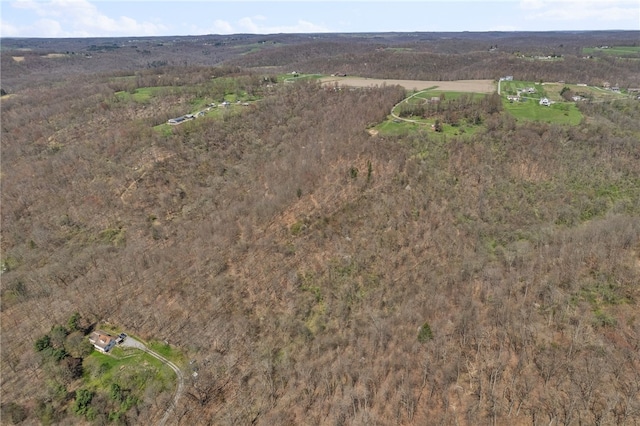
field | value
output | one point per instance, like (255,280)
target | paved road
(133,343)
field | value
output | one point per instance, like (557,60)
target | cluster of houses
(526,91)
(189,117)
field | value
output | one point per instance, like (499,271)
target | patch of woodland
(476,65)
(316,274)
(466,107)
(465,55)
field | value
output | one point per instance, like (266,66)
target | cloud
(249,24)
(605,11)
(42,27)
(259,25)
(220,27)
(76,18)
(8,30)
(504,28)
(531,4)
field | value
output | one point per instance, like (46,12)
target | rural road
(133,343)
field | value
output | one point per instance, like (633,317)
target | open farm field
(559,113)
(473,86)
(621,51)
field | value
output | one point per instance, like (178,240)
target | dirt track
(475,86)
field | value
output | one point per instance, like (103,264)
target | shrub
(15,413)
(83,399)
(425,334)
(43,343)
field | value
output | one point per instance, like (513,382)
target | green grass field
(142,95)
(397,127)
(512,87)
(560,112)
(167,351)
(429,93)
(531,110)
(623,51)
(130,367)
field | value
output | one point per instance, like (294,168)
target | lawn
(167,351)
(141,95)
(392,127)
(216,113)
(131,368)
(632,51)
(398,127)
(531,110)
(512,87)
(448,95)
(395,127)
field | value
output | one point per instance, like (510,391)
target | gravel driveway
(130,342)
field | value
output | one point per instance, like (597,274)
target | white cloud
(42,27)
(504,28)
(220,27)
(8,30)
(531,4)
(605,11)
(258,25)
(248,25)
(80,18)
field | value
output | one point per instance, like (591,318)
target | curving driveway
(133,343)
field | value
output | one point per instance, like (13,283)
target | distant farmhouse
(545,102)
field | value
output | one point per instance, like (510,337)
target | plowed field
(474,86)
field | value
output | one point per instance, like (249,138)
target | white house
(545,102)
(102,341)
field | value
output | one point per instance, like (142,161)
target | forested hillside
(310,271)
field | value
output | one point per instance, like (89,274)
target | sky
(114,18)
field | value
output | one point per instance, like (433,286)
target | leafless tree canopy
(298,260)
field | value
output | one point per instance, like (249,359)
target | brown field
(475,86)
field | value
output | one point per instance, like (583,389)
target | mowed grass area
(142,95)
(529,108)
(216,113)
(553,91)
(167,351)
(402,126)
(622,51)
(557,113)
(512,87)
(426,95)
(130,368)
